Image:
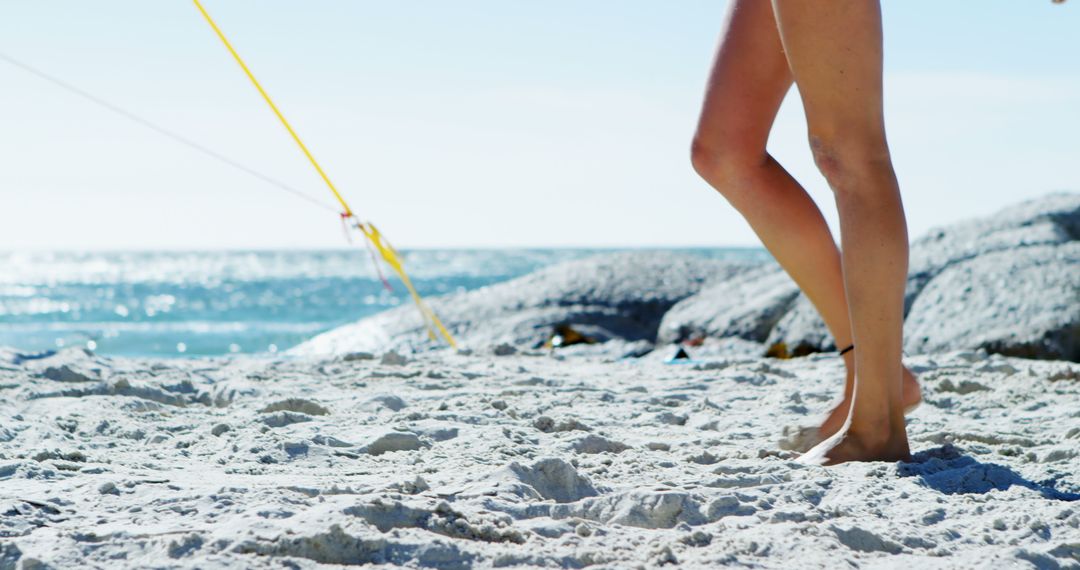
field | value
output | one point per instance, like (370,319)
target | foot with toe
(871,428)
(858,440)
(912,397)
(805,438)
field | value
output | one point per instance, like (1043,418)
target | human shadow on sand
(948,470)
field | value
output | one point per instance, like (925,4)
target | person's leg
(834,49)
(749,79)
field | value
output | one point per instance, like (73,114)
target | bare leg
(834,49)
(748,82)
(749,79)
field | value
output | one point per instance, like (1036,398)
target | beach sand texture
(446,460)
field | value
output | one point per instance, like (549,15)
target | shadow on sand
(948,470)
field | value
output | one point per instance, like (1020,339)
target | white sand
(524,460)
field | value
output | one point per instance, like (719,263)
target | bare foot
(866,443)
(802,439)
(911,397)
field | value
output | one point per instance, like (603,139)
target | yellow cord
(270,102)
(370,232)
(390,255)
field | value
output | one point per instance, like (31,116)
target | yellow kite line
(431,320)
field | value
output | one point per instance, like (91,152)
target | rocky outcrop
(1007,282)
(746,306)
(1018,302)
(619,296)
(800,331)
(1053,219)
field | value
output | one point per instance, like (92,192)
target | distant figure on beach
(833,52)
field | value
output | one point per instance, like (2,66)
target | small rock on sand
(296,405)
(593,443)
(284,418)
(68,373)
(392,358)
(395,441)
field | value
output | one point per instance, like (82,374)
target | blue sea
(195,303)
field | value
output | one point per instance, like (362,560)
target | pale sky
(484,123)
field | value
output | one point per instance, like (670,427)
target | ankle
(878,429)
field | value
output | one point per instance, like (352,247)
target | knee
(706,158)
(851,161)
(724,164)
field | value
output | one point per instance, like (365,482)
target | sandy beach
(373,444)
(510,458)
(628,248)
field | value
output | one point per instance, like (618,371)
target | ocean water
(215,303)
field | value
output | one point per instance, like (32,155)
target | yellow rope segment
(370,232)
(390,255)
